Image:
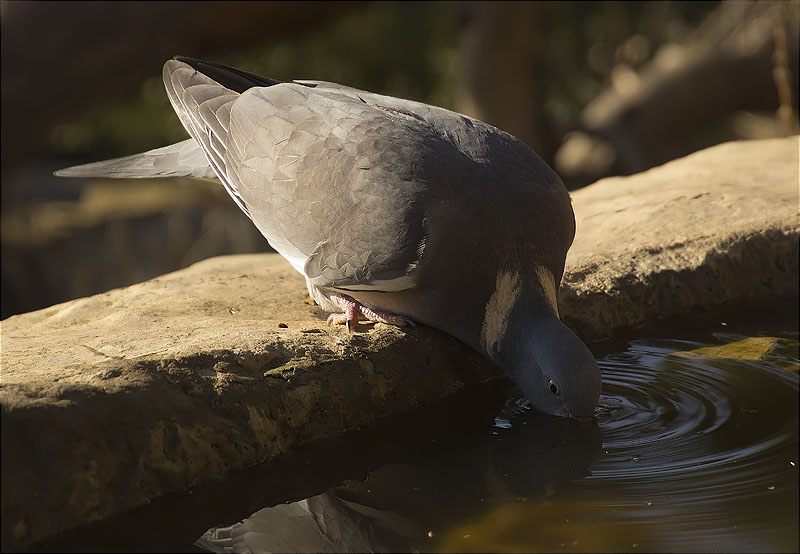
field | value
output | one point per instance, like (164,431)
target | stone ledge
(719,225)
(117,398)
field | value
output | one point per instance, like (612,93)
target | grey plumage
(322,523)
(405,207)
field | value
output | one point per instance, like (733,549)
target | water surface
(694,448)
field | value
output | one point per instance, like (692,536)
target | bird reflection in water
(414,504)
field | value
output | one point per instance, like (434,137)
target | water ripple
(710,436)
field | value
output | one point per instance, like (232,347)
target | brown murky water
(694,448)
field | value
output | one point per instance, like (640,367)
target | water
(690,453)
(699,454)
(694,448)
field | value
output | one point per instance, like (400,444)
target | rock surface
(719,225)
(110,400)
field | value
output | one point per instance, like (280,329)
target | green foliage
(404,49)
(410,50)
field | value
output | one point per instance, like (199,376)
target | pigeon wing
(335,184)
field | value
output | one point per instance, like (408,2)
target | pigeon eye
(552,384)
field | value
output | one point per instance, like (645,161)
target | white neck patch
(548,283)
(498,310)
(506,293)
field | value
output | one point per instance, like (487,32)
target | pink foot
(353,311)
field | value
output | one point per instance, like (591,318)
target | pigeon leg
(386,317)
(353,311)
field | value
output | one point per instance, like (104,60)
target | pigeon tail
(184,159)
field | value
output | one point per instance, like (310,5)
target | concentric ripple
(699,450)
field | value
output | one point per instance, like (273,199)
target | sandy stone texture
(719,225)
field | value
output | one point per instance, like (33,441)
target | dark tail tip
(229,77)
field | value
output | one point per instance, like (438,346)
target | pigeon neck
(516,304)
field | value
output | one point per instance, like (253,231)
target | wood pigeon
(394,211)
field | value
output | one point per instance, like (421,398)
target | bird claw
(387,318)
(342,319)
(408,322)
(336,319)
(396,320)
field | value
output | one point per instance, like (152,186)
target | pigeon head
(523,334)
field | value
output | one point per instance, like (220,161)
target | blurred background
(596,88)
